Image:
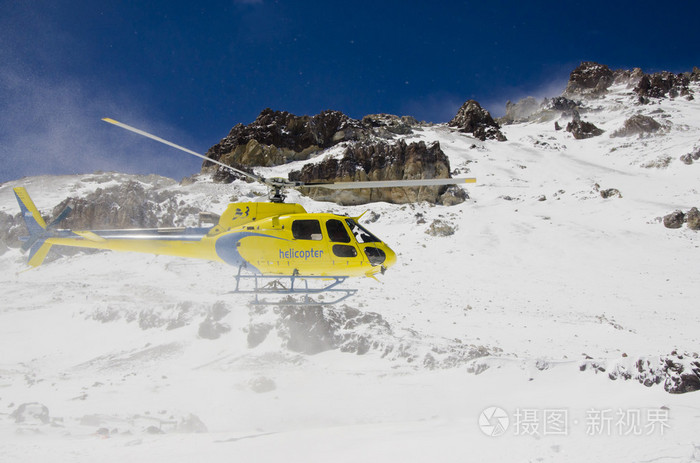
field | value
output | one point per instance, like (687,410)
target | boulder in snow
(31,413)
(674,220)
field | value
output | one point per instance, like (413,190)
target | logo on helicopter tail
(240,213)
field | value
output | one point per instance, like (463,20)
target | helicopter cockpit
(347,238)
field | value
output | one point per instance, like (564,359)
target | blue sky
(189,71)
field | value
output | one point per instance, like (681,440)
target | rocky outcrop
(127,205)
(279,137)
(694,75)
(693,219)
(440,228)
(581,129)
(674,220)
(610,193)
(691,157)
(678,372)
(589,79)
(662,84)
(388,125)
(677,218)
(378,161)
(637,125)
(472,118)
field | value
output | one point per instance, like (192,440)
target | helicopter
(271,241)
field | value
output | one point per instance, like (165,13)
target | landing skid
(279,285)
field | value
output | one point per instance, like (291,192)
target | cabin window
(307,230)
(362,235)
(375,255)
(336,231)
(344,250)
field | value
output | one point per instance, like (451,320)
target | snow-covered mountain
(555,277)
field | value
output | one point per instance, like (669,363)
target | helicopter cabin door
(342,246)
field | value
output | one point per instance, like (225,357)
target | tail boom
(36,242)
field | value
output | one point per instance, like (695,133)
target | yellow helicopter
(270,241)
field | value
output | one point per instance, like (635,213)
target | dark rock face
(474,119)
(581,129)
(637,125)
(387,125)
(610,193)
(379,161)
(679,372)
(284,131)
(589,79)
(662,84)
(278,137)
(693,219)
(686,158)
(674,219)
(694,75)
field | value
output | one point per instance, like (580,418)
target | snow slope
(502,313)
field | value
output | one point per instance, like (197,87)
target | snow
(111,341)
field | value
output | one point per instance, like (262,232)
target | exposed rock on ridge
(278,137)
(589,79)
(474,119)
(663,84)
(379,161)
(679,372)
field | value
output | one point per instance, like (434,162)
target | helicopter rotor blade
(390,183)
(181,148)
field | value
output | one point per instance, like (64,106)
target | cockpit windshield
(362,235)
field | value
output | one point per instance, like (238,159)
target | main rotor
(277,185)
